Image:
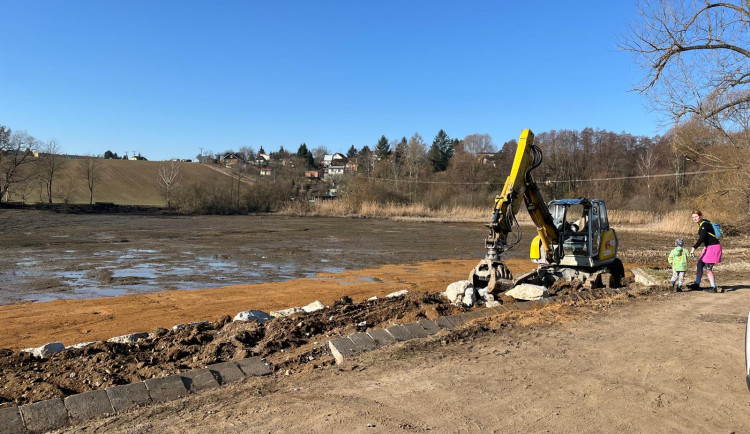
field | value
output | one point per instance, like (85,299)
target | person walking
(710,255)
(678,259)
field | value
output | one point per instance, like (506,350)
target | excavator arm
(504,228)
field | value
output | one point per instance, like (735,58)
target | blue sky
(167,78)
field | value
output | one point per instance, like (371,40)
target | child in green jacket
(678,258)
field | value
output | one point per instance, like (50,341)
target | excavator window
(576,235)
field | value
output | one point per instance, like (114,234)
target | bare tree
(169,178)
(696,54)
(415,159)
(66,188)
(90,169)
(478,144)
(248,153)
(646,163)
(319,153)
(16,151)
(50,163)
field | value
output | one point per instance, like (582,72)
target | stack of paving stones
(55,413)
(345,347)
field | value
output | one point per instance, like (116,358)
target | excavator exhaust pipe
(492,275)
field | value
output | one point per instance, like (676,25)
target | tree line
(657,173)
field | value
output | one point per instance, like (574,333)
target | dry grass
(673,222)
(126,182)
(396,211)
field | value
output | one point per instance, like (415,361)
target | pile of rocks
(463,292)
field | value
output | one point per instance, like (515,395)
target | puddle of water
(148,270)
(131,272)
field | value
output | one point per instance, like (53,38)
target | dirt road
(667,363)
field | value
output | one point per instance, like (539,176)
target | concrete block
(465,317)
(511,306)
(10,421)
(381,337)
(254,366)
(399,333)
(314,306)
(342,348)
(456,319)
(88,405)
(527,291)
(642,277)
(523,305)
(253,315)
(199,379)
(446,322)
(456,290)
(415,330)
(128,339)
(228,372)
(166,388)
(83,344)
(286,312)
(478,313)
(44,415)
(127,396)
(363,341)
(45,350)
(190,324)
(497,310)
(429,325)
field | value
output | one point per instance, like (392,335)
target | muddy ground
(324,259)
(48,255)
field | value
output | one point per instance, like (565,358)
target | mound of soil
(289,343)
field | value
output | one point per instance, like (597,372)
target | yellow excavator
(574,242)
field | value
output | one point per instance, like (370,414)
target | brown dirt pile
(290,343)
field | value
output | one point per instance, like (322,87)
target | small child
(678,258)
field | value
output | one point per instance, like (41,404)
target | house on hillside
(232,159)
(138,157)
(487,158)
(262,160)
(336,159)
(333,165)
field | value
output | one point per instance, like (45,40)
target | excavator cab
(583,233)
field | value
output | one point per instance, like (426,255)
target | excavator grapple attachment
(492,275)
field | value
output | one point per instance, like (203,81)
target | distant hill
(126,182)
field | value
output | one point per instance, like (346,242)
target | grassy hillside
(126,182)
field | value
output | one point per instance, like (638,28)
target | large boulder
(253,315)
(315,305)
(456,290)
(45,350)
(527,291)
(286,312)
